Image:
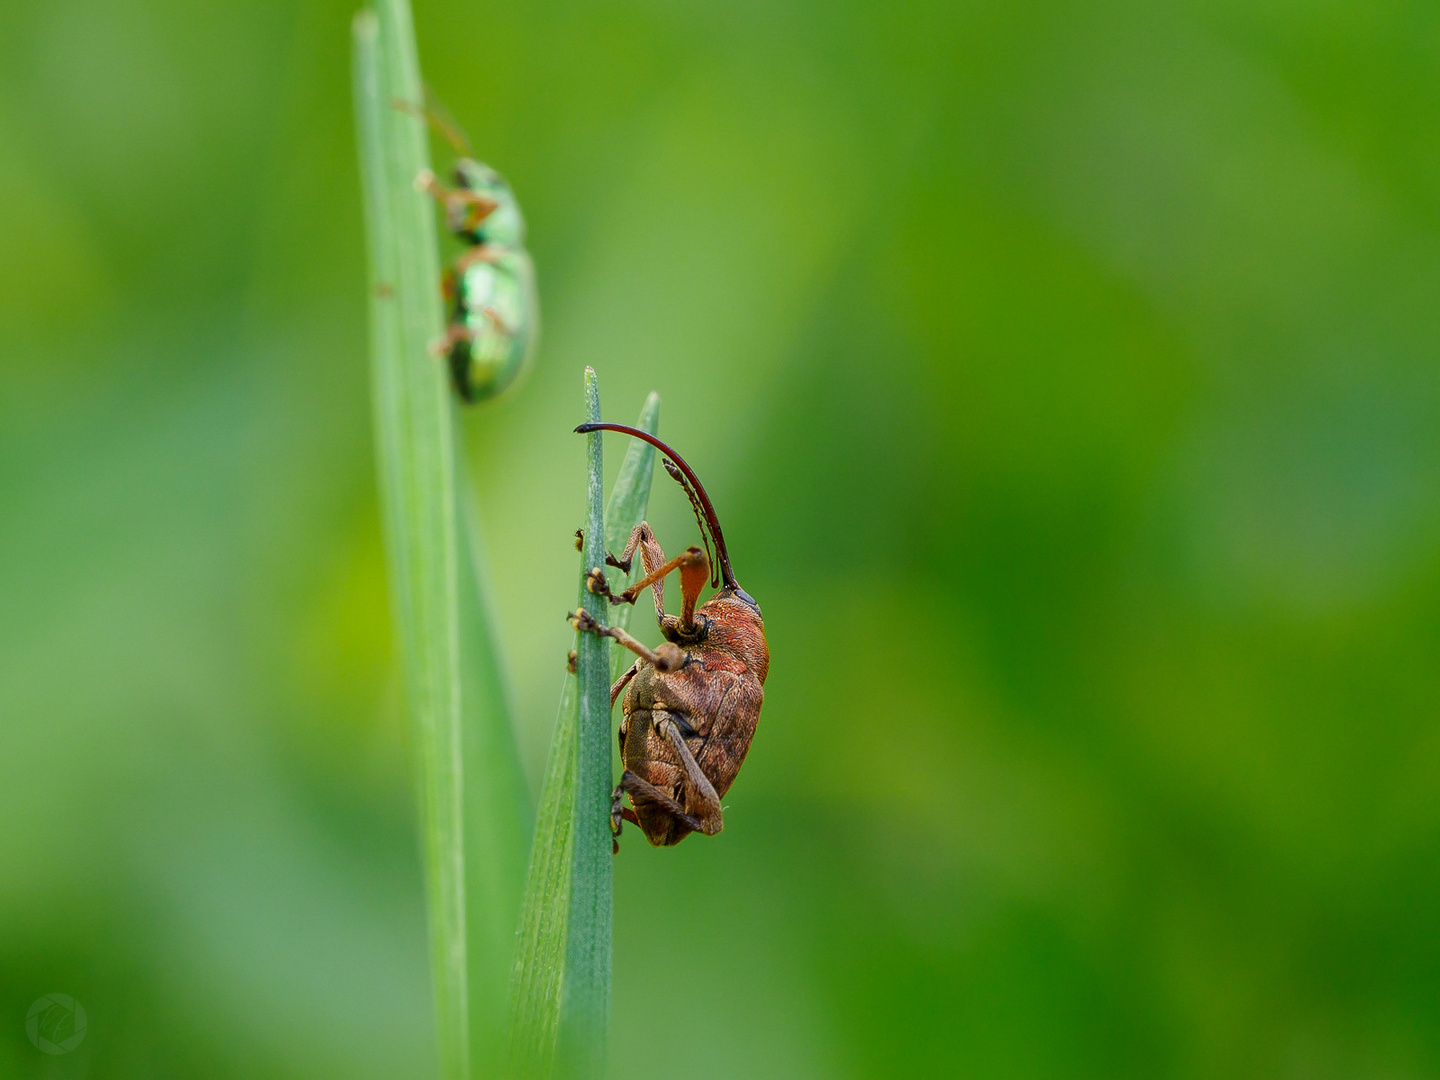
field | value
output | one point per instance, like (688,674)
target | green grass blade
(545,912)
(625,510)
(415,445)
(545,917)
(585,1000)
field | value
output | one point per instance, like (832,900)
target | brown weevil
(693,703)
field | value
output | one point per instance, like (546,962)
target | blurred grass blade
(415,445)
(545,918)
(499,813)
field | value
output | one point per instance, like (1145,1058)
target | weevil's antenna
(445,124)
(704,508)
(679,478)
(438,109)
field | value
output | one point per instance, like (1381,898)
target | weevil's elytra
(490,289)
(692,704)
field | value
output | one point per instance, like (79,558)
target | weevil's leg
(701,802)
(499,323)
(427,183)
(480,253)
(651,556)
(455,333)
(668,657)
(478,204)
(475,207)
(599,584)
(692,563)
(694,570)
(622,682)
(619,811)
(639,535)
(643,792)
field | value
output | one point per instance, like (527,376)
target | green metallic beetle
(494,315)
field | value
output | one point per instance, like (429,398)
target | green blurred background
(1065,375)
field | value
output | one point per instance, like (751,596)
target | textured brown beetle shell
(716,696)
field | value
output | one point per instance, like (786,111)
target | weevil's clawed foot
(623,567)
(425,181)
(579,539)
(619,814)
(584,622)
(571,662)
(596,583)
(617,818)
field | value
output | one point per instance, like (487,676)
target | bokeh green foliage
(1064,377)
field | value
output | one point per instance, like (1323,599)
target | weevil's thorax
(735,628)
(504,226)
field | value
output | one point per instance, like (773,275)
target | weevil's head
(743,597)
(503,225)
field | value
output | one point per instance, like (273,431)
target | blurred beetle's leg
(498,322)
(455,333)
(425,181)
(475,206)
(480,253)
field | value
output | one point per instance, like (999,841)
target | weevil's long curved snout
(707,508)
